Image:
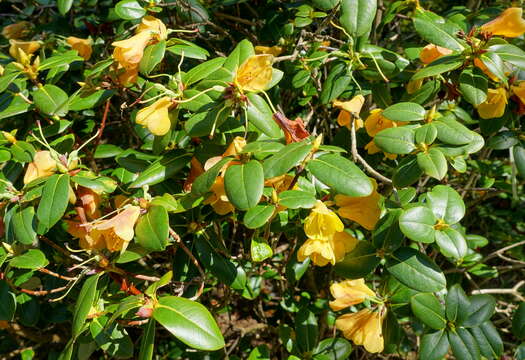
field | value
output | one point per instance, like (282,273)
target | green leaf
(446,204)
(451,243)
(258,216)
(481,308)
(189,50)
(407,172)
(518,321)
(439,66)
(63,59)
(296,199)
(404,111)
(99,184)
(359,262)
(416,270)
(162,169)
(83,305)
(203,70)
(340,174)
(519,159)
(153,55)
(436,30)
(260,250)
(464,346)
(494,64)
(147,341)
(457,304)
(426,134)
(387,234)
(473,85)
(509,53)
(7,78)
(51,100)
(24,225)
(503,140)
(288,157)
(336,82)
(417,224)
(260,115)
(261,352)
(129,10)
(190,322)
(306,330)
(434,346)
(452,132)
(396,140)
(7,302)
(203,123)
(152,229)
(488,340)
(357,16)
(204,181)
(332,349)
(244,184)
(64,6)
(433,163)
(55,197)
(429,310)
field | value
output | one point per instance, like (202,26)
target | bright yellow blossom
(363,210)
(494,106)
(218,200)
(27,47)
(363,328)
(156,117)
(117,232)
(322,223)
(155,26)
(82,46)
(509,23)
(348,108)
(433,52)
(348,293)
(42,165)
(255,73)
(332,250)
(519,90)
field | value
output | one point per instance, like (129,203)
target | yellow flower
(129,52)
(348,293)
(322,223)
(28,47)
(363,210)
(235,147)
(519,90)
(331,250)
(255,73)
(375,122)
(116,232)
(218,200)
(509,23)
(17,30)
(280,183)
(274,50)
(348,108)
(154,25)
(43,165)
(372,148)
(363,328)
(82,46)
(433,52)
(156,117)
(494,106)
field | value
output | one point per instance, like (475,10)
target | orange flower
(90,202)
(363,328)
(235,147)
(156,116)
(17,30)
(196,169)
(129,52)
(494,106)
(279,183)
(375,122)
(519,90)
(363,210)
(348,108)
(348,293)
(433,52)
(116,232)
(372,148)
(155,26)
(43,165)
(82,46)
(509,23)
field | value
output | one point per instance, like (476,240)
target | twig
(502,250)
(513,291)
(103,124)
(51,273)
(234,18)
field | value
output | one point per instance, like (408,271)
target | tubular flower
(156,117)
(348,108)
(218,200)
(494,106)
(82,46)
(27,47)
(509,23)
(255,73)
(116,232)
(129,52)
(363,328)
(322,223)
(322,252)
(348,293)
(273,50)
(196,169)
(42,165)
(17,30)
(154,25)
(433,52)
(363,210)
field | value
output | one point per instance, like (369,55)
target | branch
(513,291)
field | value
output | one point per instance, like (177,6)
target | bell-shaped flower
(218,200)
(155,26)
(433,52)
(509,23)
(17,30)
(129,52)
(156,116)
(28,48)
(494,106)
(118,231)
(364,327)
(375,122)
(325,251)
(363,210)
(255,73)
(42,165)
(348,293)
(322,223)
(82,46)
(348,109)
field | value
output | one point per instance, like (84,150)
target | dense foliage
(157,201)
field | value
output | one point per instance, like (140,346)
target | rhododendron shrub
(321,179)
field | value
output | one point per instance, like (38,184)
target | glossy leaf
(473,86)
(244,184)
(446,204)
(84,302)
(359,262)
(152,229)
(258,216)
(417,224)
(429,310)
(162,169)
(291,155)
(404,111)
(433,163)
(396,140)
(451,243)
(434,346)
(357,16)
(55,197)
